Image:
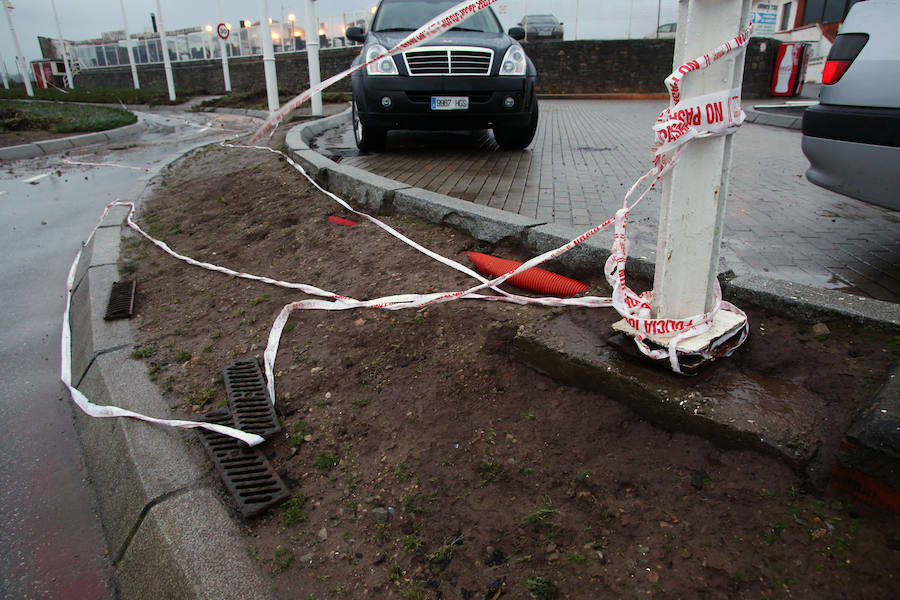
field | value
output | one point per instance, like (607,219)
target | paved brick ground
(587,153)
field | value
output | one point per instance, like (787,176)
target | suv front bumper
(410,101)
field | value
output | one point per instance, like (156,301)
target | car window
(541,20)
(409,15)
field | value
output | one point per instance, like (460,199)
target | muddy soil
(426,463)
(16,138)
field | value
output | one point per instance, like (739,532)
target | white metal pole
(3,72)
(268,56)
(630,13)
(694,193)
(312,55)
(129,44)
(69,81)
(20,58)
(226,74)
(167,62)
(577,10)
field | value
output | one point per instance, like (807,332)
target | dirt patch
(426,463)
(15,138)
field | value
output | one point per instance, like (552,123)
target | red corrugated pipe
(534,279)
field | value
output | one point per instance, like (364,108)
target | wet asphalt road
(51,543)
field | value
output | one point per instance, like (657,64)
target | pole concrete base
(691,350)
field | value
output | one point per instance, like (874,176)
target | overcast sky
(87,19)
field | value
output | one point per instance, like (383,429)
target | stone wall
(582,67)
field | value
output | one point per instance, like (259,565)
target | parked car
(852,137)
(664,31)
(541,27)
(473,76)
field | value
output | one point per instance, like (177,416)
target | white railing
(203,45)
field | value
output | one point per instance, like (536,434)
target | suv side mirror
(516,33)
(356,34)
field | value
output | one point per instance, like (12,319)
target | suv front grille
(449,60)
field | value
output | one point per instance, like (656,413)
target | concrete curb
(67,143)
(168,534)
(773,119)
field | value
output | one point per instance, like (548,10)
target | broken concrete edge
(169,535)
(873,440)
(492,225)
(67,143)
(560,349)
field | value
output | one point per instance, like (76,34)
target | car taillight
(844,51)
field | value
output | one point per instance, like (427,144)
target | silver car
(852,137)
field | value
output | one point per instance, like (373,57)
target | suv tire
(367,138)
(516,138)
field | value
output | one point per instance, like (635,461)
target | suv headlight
(385,66)
(514,62)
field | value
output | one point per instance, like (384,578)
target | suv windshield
(409,15)
(541,20)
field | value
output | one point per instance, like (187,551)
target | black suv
(473,76)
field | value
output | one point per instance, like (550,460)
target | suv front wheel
(516,138)
(367,138)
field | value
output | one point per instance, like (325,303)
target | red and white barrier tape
(674,128)
(99,411)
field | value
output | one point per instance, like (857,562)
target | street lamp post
(291,18)
(694,193)
(164,43)
(3,72)
(69,81)
(20,58)
(128,45)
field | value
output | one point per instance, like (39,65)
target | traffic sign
(223,31)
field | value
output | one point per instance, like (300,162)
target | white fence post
(312,55)
(268,56)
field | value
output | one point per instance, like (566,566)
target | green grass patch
(327,461)
(293,512)
(60,117)
(143,352)
(97,95)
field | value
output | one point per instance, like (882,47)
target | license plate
(449,103)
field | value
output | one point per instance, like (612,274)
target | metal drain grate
(247,474)
(248,399)
(121,301)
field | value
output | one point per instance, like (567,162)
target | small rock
(323,534)
(551,547)
(653,577)
(381,514)
(307,558)
(698,479)
(328,395)
(315,370)
(643,550)
(359,322)
(553,557)
(820,330)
